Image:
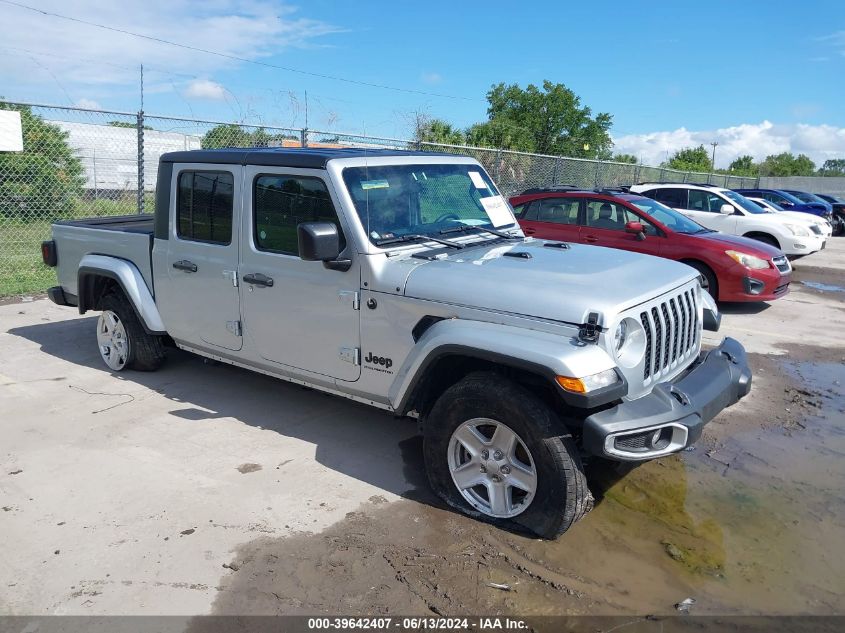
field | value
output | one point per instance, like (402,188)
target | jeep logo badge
(387,363)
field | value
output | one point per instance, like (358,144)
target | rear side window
(281,203)
(671,197)
(204,206)
(559,210)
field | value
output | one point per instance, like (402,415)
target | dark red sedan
(734,268)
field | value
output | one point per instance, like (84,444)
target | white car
(727,211)
(824,227)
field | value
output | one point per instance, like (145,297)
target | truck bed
(128,237)
(142,223)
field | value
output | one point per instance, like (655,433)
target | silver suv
(402,280)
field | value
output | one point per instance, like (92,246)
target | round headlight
(629,342)
(619,336)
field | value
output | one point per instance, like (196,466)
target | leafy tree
(833,167)
(690,159)
(625,158)
(232,135)
(46,178)
(438,131)
(547,120)
(744,166)
(787,164)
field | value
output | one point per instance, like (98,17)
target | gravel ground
(203,488)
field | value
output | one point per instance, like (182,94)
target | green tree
(232,135)
(690,159)
(547,120)
(438,131)
(833,167)
(743,166)
(46,178)
(625,158)
(787,164)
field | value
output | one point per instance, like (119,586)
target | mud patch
(751,522)
(248,468)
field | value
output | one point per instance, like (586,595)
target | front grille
(671,333)
(781,264)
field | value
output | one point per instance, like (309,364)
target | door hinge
(350,355)
(350,296)
(231,275)
(234,327)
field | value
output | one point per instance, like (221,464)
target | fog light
(660,438)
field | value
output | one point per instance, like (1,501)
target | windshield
(669,218)
(397,200)
(741,201)
(768,205)
(809,197)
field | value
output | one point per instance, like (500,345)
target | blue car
(790,201)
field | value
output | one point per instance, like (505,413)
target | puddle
(815,285)
(753,523)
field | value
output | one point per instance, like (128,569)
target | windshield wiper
(466,228)
(414,237)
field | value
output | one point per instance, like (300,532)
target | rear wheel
(121,339)
(709,283)
(497,452)
(766,239)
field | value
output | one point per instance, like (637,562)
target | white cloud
(205,89)
(39,50)
(431,78)
(90,104)
(819,142)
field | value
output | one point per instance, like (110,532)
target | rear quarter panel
(74,242)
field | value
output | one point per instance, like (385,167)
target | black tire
(146,351)
(561,497)
(709,278)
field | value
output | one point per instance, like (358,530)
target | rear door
(604,225)
(299,314)
(553,219)
(197,293)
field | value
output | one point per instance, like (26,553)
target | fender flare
(543,353)
(130,280)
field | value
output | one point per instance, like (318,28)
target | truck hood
(801,217)
(546,282)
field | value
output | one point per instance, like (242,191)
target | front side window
(204,206)
(281,203)
(602,214)
(742,202)
(397,200)
(668,217)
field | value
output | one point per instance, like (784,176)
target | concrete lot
(128,493)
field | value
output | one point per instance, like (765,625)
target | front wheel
(497,452)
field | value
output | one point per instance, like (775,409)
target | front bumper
(673,415)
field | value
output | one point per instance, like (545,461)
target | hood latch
(589,331)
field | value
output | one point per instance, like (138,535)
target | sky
(756,77)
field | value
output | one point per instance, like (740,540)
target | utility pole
(713,158)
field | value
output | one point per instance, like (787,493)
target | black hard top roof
(306,157)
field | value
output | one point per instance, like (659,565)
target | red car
(733,268)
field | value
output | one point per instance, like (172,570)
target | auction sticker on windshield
(374,184)
(497,210)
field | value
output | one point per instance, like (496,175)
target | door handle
(529,231)
(591,239)
(257,279)
(184,264)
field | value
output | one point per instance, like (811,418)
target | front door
(199,297)
(296,313)
(604,225)
(705,208)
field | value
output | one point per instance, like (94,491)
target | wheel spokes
(471,439)
(499,494)
(468,476)
(522,478)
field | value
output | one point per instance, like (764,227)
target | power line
(235,57)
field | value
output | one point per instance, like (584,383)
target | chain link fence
(82,163)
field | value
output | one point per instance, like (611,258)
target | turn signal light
(575,385)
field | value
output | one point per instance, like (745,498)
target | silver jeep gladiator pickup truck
(402,280)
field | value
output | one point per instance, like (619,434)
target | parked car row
(740,246)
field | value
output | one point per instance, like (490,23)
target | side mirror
(726,209)
(320,242)
(636,228)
